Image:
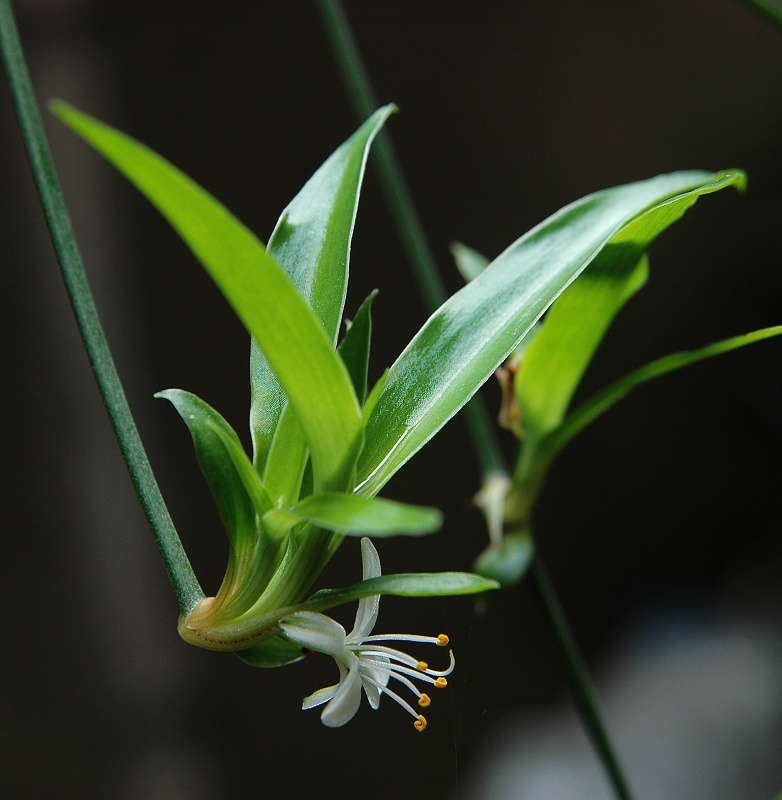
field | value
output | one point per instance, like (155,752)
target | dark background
(669,506)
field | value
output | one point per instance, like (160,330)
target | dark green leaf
(234,483)
(354,347)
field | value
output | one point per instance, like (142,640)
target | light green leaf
(363,516)
(508,562)
(605,399)
(293,340)
(463,342)
(417,584)
(311,242)
(469,262)
(554,363)
(286,460)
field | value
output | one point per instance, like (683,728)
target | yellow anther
(442,640)
(424,700)
(422,665)
(441,683)
(420,723)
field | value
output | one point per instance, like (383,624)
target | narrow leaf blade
(365,516)
(612,394)
(311,242)
(556,360)
(463,342)
(297,347)
(234,483)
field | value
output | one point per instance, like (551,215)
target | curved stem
(580,684)
(39,156)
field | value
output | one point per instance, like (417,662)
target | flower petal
(320,697)
(374,679)
(343,706)
(368,607)
(316,632)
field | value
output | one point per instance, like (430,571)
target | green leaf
(507,562)
(286,460)
(295,343)
(311,242)
(354,347)
(469,262)
(418,584)
(362,516)
(602,401)
(462,343)
(254,628)
(234,483)
(274,652)
(554,363)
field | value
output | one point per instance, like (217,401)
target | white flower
(362,661)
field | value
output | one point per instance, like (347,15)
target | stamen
(444,671)
(422,665)
(395,669)
(442,640)
(385,690)
(424,700)
(420,723)
(390,652)
(441,683)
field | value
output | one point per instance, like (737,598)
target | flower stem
(39,156)
(403,209)
(580,684)
(357,81)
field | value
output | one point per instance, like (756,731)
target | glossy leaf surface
(463,342)
(363,516)
(556,360)
(234,483)
(311,242)
(293,340)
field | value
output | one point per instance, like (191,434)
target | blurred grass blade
(311,242)
(463,342)
(555,361)
(363,516)
(469,262)
(293,340)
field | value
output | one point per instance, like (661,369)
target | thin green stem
(42,166)
(403,209)
(770,9)
(580,684)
